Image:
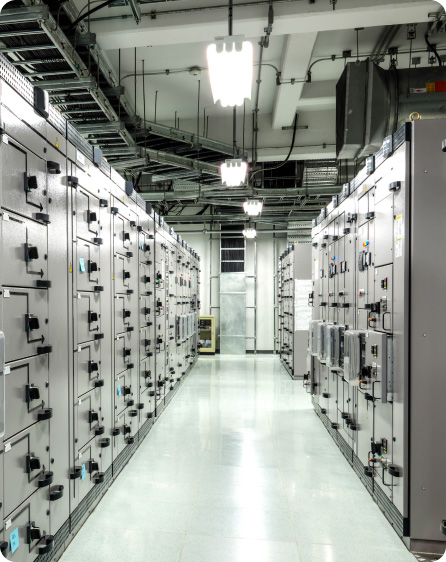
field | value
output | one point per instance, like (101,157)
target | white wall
(269,249)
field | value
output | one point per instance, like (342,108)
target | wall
(269,248)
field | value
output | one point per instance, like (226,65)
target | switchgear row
(376,339)
(99,317)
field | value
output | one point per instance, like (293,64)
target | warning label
(399,236)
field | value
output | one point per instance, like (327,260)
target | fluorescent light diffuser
(250,233)
(253,208)
(233,172)
(230,62)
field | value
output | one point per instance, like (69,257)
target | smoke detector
(195,71)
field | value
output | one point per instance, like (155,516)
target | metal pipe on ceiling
(199,9)
(266,231)
(48,60)
(264,193)
(21,33)
(74,102)
(384,41)
(256,108)
(197,219)
(266,209)
(360,56)
(19,49)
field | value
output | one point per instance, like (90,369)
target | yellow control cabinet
(206,330)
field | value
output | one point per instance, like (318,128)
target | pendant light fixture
(230,62)
(233,172)
(250,233)
(253,208)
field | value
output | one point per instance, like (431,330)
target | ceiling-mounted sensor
(195,71)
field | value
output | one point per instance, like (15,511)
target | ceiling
(178,91)
(179,170)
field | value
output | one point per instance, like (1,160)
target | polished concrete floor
(238,469)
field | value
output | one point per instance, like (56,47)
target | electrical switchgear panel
(90,290)
(294,300)
(375,347)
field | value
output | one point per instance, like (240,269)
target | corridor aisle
(238,469)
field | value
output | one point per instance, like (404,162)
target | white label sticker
(80,157)
(7,370)
(316,269)
(5,139)
(79,348)
(8,447)
(5,217)
(303,312)
(6,294)
(80,455)
(80,402)
(399,236)
(8,524)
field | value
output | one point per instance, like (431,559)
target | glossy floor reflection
(238,469)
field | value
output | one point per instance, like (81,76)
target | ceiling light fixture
(233,172)
(250,233)
(253,208)
(230,61)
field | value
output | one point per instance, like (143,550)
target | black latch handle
(53,167)
(45,414)
(46,480)
(76,473)
(56,494)
(46,544)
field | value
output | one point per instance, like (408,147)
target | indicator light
(366,243)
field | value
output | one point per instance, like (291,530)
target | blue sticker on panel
(84,472)
(81,265)
(14,540)
(119,390)
(141,245)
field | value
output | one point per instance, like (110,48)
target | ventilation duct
(372,102)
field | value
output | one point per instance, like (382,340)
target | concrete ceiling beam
(187,25)
(296,57)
